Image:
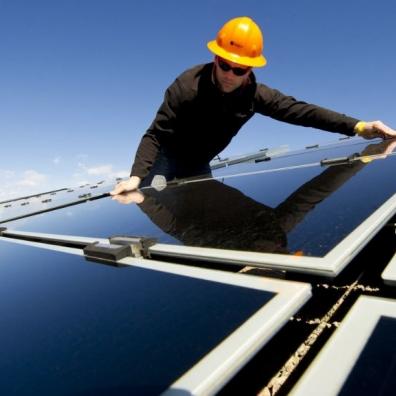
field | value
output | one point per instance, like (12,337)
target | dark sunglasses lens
(224,66)
(238,71)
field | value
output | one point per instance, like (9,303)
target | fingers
(127,185)
(379,129)
(119,188)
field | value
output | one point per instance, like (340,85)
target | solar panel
(282,159)
(258,156)
(310,218)
(359,359)
(389,274)
(41,203)
(86,301)
(75,326)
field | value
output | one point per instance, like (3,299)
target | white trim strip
(237,257)
(210,374)
(340,353)
(351,245)
(389,274)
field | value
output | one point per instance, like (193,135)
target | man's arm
(275,104)
(161,129)
(281,107)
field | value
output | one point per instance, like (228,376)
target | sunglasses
(238,71)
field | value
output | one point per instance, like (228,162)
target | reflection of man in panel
(207,105)
(212,214)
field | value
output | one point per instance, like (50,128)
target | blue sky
(81,80)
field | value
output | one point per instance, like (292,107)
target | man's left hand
(374,129)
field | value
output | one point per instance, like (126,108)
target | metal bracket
(139,245)
(119,246)
(104,251)
(338,161)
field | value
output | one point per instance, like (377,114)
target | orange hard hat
(240,41)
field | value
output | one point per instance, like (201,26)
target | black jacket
(196,121)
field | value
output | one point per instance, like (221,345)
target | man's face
(226,74)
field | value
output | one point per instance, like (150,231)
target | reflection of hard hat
(239,41)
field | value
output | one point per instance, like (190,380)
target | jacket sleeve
(273,103)
(162,127)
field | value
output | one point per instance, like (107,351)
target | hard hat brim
(258,61)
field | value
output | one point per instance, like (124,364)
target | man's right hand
(127,185)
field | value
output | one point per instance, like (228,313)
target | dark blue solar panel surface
(69,326)
(375,370)
(306,209)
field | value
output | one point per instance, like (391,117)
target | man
(207,105)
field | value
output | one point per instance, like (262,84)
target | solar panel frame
(213,371)
(389,274)
(295,158)
(58,197)
(348,341)
(299,158)
(220,364)
(329,265)
(33,196)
